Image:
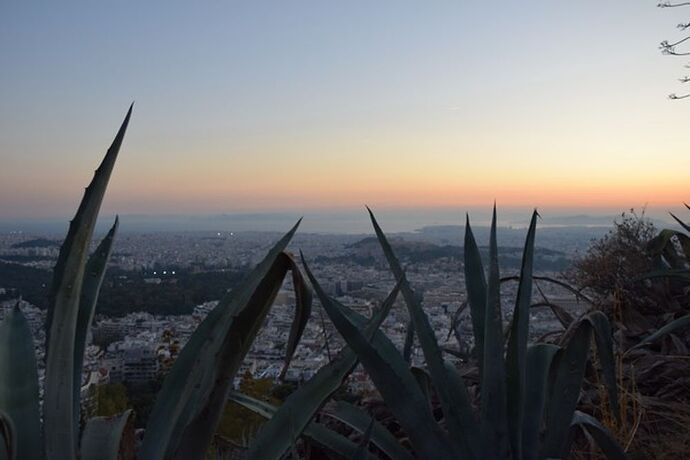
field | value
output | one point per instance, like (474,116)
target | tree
(621,272)
(612,264)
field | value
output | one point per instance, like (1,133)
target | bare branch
(666,44)
(671,5)
(669,48)
(670,52)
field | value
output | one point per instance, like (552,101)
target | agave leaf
(93,278)
(19,385)
(567,373)
(682,224)
(409,342)
(189,383)
(671,256)
(236,342)
(102,437)
(670,327)
(303,301)
(359,420)
(684,244)
(299,408)
(494,423)
(563,317)
(334,442)
(606,442)
(538,363)
(657,245)
(315,432)
(603,338)
(576,292)
(681,273)
(457,385)
(424,381)
(454,321)
(363,447)
(389,372)
(8,438)
(475,283)
(517,344)
(454,401)
(58,407)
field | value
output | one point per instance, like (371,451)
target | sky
(307,106)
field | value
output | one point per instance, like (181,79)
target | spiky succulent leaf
(8,438)
(198,434)
(234,345)
(409,342)
(299,408)
(683,321)
(359,420)
(19,384)
(68,275)
(363,447)
(561,314)
(604,341)
(680,273)
(494,423)
(389,372)
(424,381)
(538,363)
(315,432)
(93,278)
(663,241)
(475,283)
(333,442)
(565,381)
(200,371)
(454,401)
(682,224)
(517,344)
(303,301)
(603,437)
(102,437)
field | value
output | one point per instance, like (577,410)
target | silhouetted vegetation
(37,243)
(639,277)
(126,292)
(613,264)
(30,283)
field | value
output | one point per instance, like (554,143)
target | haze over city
(308,107)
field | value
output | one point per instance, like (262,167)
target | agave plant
(670,251)
(188,408)
(670,262)
(529,392)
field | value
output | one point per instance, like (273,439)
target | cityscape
(344,230)
(137,347)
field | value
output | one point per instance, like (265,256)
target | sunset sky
(265,106)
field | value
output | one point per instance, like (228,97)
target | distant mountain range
(337,222)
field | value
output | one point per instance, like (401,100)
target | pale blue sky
(244,106)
